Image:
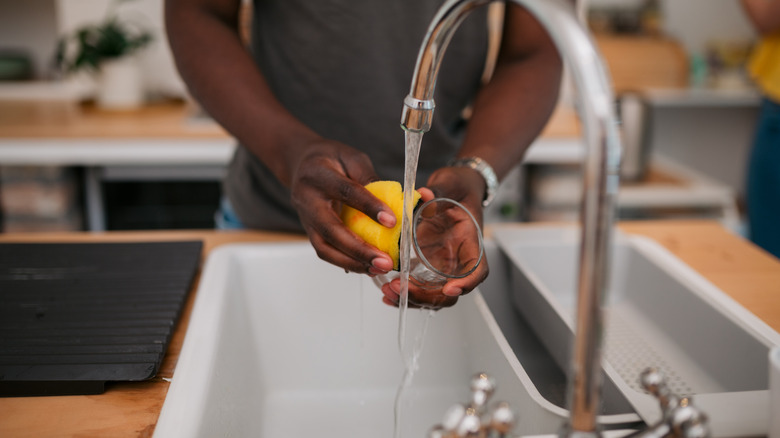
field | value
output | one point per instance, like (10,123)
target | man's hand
(328,175)
(467,187)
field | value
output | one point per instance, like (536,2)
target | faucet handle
(689,421)
(482,388)
(654,382)
(475,420)
(502,419)
(679,416)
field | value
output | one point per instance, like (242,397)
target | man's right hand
(327,175)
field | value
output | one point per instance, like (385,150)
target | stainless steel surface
(635,122)
(600,170)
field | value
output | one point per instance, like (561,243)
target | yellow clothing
(764,66)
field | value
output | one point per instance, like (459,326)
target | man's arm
(508,114)
(222,76)
(321,173)
(764,14)
(511,110)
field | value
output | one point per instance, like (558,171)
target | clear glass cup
(446,244)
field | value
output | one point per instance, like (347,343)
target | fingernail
(453,292)
(382,264)
(386,219)
(374,271)
(395,287)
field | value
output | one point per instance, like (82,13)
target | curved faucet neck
(600,172)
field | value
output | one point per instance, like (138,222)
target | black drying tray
(74,316)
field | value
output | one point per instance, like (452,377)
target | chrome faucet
(601,166)
(476,419)
(679,417)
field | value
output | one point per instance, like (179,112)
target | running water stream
(410,358)
(413,141)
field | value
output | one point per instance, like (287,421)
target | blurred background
(79,152)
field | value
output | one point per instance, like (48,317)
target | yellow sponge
(386,239)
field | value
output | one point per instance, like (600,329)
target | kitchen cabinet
(163,143)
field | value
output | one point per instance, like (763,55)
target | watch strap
(484,169)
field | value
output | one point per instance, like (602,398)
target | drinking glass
(446,242)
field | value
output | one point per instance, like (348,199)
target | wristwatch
(484,169)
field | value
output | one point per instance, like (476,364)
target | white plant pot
(120,85)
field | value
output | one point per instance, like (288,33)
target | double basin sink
(282,344)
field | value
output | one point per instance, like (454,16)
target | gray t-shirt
(343,68)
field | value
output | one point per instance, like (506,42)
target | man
(316,106)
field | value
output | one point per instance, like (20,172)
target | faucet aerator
(417,114)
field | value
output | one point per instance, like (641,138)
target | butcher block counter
(746,273)
(69,133)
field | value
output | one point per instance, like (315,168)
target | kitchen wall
(696,22)
(30,26)
(35,25)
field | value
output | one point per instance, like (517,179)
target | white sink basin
(282,344)
(658,312)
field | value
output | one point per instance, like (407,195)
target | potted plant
(107,49)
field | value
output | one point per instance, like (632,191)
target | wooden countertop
(62,119)
(745,272)
(125,409)
(65,133)
(65,119)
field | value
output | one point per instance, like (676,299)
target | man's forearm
(764,14)
(511,110)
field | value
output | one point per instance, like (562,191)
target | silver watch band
(484,169)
